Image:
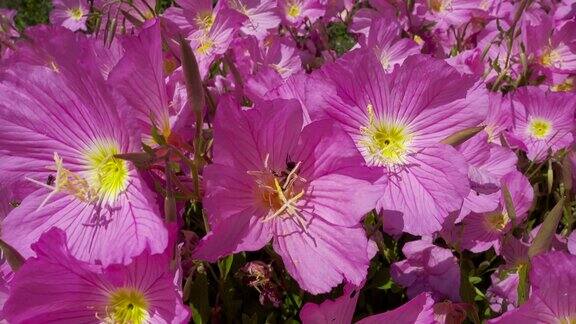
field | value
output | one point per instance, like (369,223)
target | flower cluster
(370,161)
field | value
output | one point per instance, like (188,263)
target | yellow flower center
(539,128)
(76,13)
(550,57)
(107,174)
(280,191)
(384,143)
(238,5)
(418,40)
(385,61)
(205,20)
(497,221)
(128,306)
(294,10)
(148,14)
(104,178)
(439,5)
(206,44)
(568,320)
(565,86)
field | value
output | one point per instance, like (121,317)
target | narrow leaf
(199,298)
(543,239)
(14,258)
(523,285)
(225,265)
(192,76)
(135,21)
(510,210)
(462,136)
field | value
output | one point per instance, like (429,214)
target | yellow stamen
(107,174)
(438,5)
(67,182)
(128,306)
(205,20)
(384,143)
(76,13)
(539,128)
(567,320)
(294,10)
(497,221)
(551,58)
(278,193)
(565,86)
(206,44)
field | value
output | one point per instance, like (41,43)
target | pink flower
(56,287)
(194,16)
(503,293)
(207,46)
(488,162)
(262,16)
(341,310)
(482,231)
(139,78)
(60,131)
(384,39)
(210,31)
(447,13)
(114,20)
(552,48)
(420,309)
(553,298)
(71,14)
(397,121)
(295,12)
(499,118)
(543,122)
(273,179)
(572,243)
(428,268)
(338,311)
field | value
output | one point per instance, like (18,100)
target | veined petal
(110,234)
(419,197)
(244,231)
(323,255)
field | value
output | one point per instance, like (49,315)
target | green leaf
(462,136)
(510,209)
(194,87)
(475,280)
(250,319)
(14,258)
(225,265)
(199,297)
(467,291)
(523,284)
(543,239)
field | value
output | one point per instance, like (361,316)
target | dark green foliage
(340,40)
(30,12)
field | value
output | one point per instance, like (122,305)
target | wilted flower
(258,275)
